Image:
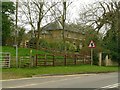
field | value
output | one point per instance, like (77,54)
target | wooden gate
(5,59)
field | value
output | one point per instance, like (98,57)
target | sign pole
(91,56)
(91,45)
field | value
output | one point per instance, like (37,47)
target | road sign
(92,44)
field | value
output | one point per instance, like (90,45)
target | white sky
(78,5)
(75,8)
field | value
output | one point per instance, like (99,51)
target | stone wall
(109,62)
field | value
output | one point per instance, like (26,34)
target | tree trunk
(38,25)
(63,23)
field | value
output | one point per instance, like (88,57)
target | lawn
(13,73)
(21,51)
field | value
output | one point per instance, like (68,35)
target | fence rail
(49,60)
(5,59)
(54,60)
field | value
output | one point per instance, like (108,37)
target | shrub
(44,44)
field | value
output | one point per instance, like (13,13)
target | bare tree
(36,12)
(101,14)
(60,12)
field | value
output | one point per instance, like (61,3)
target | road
(103,80)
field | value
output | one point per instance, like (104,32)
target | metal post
(91,56)
(16,56)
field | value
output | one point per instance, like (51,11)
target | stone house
(53,32)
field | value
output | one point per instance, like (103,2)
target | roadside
(15,73)
(65,81)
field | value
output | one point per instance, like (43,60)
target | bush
(56,45)
(87,51)
(44,44)
(72,47)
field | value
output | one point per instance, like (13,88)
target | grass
(13,73)
(21,51)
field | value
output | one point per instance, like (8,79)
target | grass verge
(14,73)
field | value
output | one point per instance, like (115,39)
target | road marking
(43,83)
(112,86)
(109,86)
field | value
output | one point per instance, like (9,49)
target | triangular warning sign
(92,44)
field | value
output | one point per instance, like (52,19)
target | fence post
(106,60)
(45,59)
(75,58)
(65,59)
(36,59)
(53,60)
(20,62)
(84,58)
(32,60)
(100,58)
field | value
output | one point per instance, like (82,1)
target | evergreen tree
(7,22)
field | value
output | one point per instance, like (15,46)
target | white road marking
(112,86)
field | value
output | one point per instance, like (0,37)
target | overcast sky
(76,7)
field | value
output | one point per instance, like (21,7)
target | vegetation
(7,22)
(112,39)
(29,72)
(21,51)
(37,12)
(55,45)
(109,19)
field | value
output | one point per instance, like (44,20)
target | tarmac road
(103,80)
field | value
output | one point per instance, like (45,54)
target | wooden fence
(51,60)
(55,60)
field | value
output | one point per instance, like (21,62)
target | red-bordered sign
(92,44)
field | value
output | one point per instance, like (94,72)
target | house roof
(56,25)
(53,26)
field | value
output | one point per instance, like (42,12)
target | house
(53,32)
